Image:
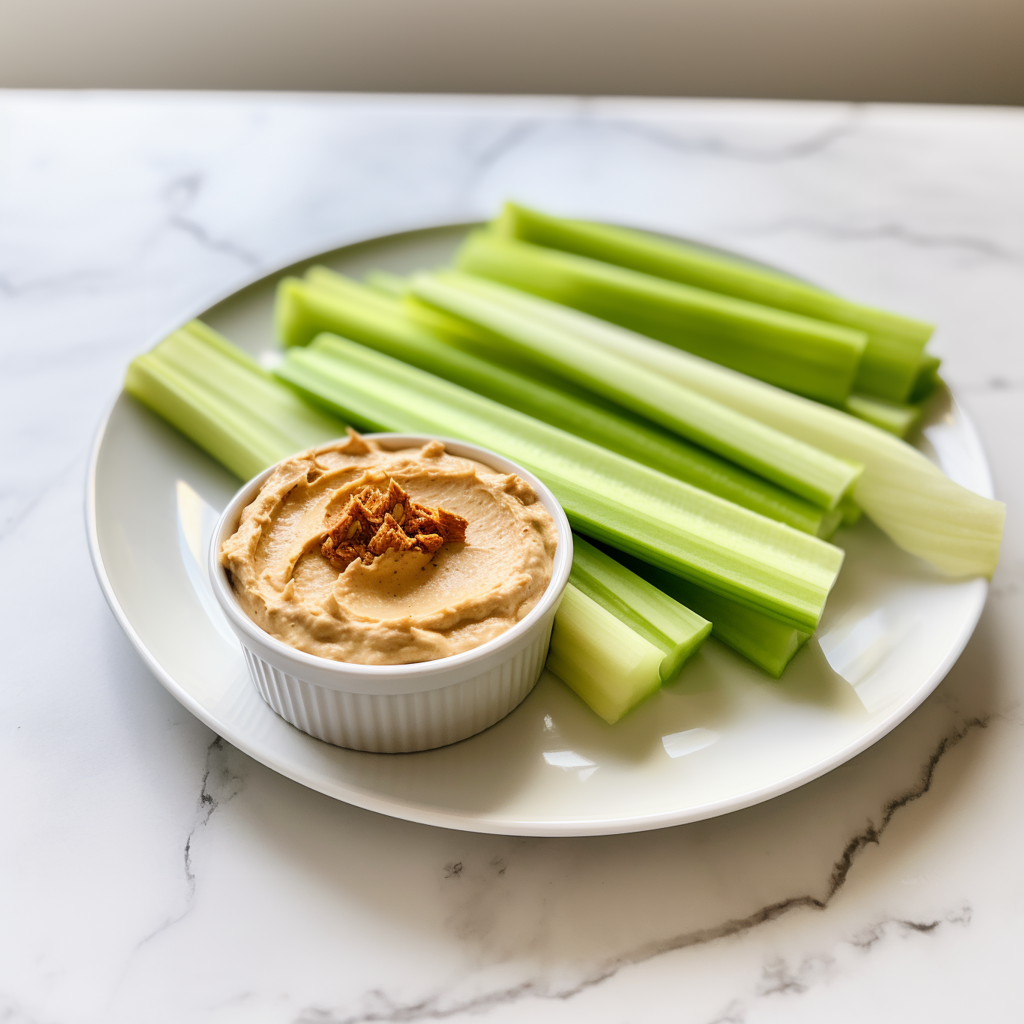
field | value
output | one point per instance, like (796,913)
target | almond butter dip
(404,606)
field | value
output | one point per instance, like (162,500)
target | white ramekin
(393,708)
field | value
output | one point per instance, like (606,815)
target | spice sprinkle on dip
(361,554)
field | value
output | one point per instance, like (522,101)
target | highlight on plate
(706,424)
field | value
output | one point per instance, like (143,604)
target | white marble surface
(151,873)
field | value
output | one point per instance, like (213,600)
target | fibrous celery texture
(720,546)
(609,665)
(616,637)
(326,301)
(225,402)
(899,418)
(768,644)
(672,627)
(895,344)
(518,321)
(908,497)
(807,356)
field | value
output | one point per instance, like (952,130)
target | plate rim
(422,814)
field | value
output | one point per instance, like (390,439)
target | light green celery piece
(908,497)
(756,561)
(225,403)
(807,356)
(240,383)
(185,406)
(519,320)
(768,644)
(894,343)
(216,341)
(897,418)
(610,666)
(672,627)
(380,281)
(327,301)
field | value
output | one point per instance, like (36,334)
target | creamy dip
(404,606)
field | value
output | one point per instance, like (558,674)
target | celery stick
(412,333)
(894,343)
(720,546)
(224,402)
(896,417)
(186,407)
(664,622)
(212,339)
(850,512)
(249,389)
(927,379)
(908,497)
(378,280)
(609,665)
(767,643)
(512,318)
(807,356)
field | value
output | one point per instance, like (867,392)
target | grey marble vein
(887,231)
(813,143)
(435,1007)
(219,784)
(780,977)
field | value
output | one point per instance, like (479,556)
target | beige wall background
(960,51)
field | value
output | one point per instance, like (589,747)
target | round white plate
(724,736)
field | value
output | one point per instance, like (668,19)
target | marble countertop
(152,873)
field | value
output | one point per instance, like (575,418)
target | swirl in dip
(391,607)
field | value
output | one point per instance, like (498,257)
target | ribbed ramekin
(398,708)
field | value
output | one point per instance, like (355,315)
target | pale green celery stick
(293,323)
(675,630)
(894,342)
(907,496)
(807,356)
(380,281)
(177,400)
(767,643)
(226,403)
(725,548)
(214,340)
(896,417)
(412,333)
(244,444)
(518,320)
(610,666)
(222,369)
(927,379)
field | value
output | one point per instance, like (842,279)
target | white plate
(723,737)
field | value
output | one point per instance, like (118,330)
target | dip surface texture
(406,606)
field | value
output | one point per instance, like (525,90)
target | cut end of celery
(661,620)
(609,666)
(218,396)
(897,418)
(291,320)
(384,283)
